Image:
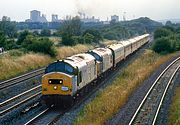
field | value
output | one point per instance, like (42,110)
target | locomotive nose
(57,83)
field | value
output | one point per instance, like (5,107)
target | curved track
(148,110)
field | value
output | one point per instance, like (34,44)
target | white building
(35,16)
(115,18)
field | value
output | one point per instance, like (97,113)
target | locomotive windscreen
(60,67)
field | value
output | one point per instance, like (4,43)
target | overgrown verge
(174,116)
(16,62)
(112,98)
(11,66)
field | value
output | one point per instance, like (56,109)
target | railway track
(16,101)
(21,78)
(149,108)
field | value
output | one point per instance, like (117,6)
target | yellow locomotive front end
(59,83)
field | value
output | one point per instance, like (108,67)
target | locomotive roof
(133,40)
(116,46)
(125,43)
(79,60)
(102,51)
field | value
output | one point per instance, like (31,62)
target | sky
(155,9)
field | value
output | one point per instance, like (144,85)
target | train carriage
(118,53)
(134,44)
(139,41)
(127,47)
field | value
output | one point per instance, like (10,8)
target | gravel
(17,117)
(164,112)
(19,88)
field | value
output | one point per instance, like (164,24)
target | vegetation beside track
(174,115)
(111,99)
(16,62)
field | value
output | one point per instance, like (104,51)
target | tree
(97,35)
(88,38)
(69,29)
(46,32)
(8,27)
(169,23)
(22,36)
(162,45)
(2,39)
(36,33)
(42,45)
(7,43)
(162,32)
(67,39)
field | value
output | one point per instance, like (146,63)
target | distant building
(85,19)
(106,22)
(90,20)
(35,16)
(54,18)
(115,18)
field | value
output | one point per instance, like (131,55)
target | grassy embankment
(174,116)
(15,62)
(112,98)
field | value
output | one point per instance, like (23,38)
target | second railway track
(21,78)
(16,101)
(148,110)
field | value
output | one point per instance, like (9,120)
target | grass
(16,62)
(11,66)
(174,114)
(68,50)
(112,98)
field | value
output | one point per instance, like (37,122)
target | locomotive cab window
(96,56)
(60,67)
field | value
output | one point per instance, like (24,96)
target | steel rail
(18,96)
(164,94)
(149,91)
(21,78)
(37,116)
(17,104)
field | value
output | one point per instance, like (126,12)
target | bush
(10,44)
(42,45)
(162,32)
(2,39)
(78,39)
(67,40)
(46,32)
(88,38)
(16,53)
(97,35)
(22,36)
(162,45)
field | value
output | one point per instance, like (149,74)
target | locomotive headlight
(55,87)
(60,82)
(50,81)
